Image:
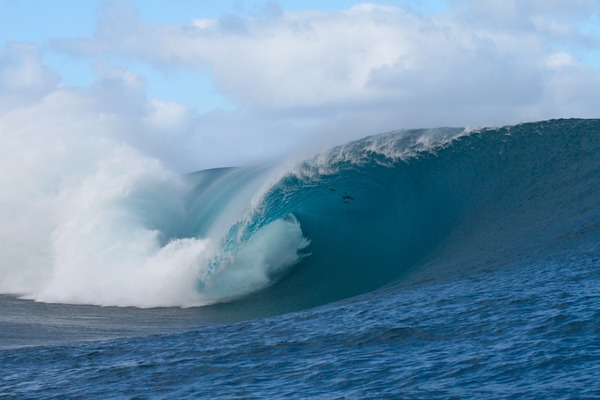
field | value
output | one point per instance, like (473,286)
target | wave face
(419,203)
(435,202)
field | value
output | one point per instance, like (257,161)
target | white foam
(108,235)
(257,263)
(385,149)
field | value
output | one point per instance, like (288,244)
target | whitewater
(427,263)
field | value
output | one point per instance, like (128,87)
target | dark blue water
(466,268)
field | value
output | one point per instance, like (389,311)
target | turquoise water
(421,264)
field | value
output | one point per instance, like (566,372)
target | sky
(200,84)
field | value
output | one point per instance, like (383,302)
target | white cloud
(560,60)
(23,79)
(311,64)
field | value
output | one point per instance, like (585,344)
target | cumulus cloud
(483,62)
(23,78)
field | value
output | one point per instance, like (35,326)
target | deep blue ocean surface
(417,264)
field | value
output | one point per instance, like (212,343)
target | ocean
(432,263)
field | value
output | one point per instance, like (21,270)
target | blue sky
(210,83)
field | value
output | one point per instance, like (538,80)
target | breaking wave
(345,222)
